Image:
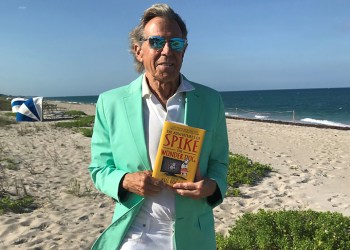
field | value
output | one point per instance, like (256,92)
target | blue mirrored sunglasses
(158,42)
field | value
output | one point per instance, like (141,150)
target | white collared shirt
(161,206)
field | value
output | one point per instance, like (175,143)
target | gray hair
(156,10)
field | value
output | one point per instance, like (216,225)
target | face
(163,64)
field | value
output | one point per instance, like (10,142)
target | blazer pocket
(206,221)
(206,237)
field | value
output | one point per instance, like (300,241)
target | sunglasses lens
(156,42)
(177,44)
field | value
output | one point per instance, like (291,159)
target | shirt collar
(185,86)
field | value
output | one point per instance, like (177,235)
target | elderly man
(149,214)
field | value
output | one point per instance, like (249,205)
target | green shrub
(242,170)
(21,205)
(288,230)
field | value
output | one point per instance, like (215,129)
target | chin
(167,76)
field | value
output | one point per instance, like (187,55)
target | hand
(196,190)
(142,183)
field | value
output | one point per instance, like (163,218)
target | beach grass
(23,204)
(242,170)
(8,163)
(16,202)
(10,114)
(76,189)
(86,131)
(6,120)
(13,193)
(86,121)
(82,123)
(5,105)
(269,230)
(74,113)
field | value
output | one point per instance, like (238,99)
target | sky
(80,47)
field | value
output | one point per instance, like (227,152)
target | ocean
(329,106)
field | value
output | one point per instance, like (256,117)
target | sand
(312,171)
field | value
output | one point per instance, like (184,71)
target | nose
(166,49)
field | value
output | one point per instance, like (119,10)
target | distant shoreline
(90,109)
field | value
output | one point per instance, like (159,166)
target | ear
(138,52)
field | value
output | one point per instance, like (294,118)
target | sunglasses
(158,42)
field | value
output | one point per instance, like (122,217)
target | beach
(311,171)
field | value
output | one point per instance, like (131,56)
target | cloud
(22,7)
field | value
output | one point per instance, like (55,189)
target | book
(178,153)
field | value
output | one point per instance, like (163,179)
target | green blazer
(118,147)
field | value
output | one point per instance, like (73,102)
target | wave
(261,116)
(230,114)
(325,122)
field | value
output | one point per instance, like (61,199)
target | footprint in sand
(241,203)
(224,206)
(337,201)
(252,208)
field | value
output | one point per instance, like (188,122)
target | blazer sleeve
(218,160)
(105,175)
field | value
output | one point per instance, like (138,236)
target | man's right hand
(142,183)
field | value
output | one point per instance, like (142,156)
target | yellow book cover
(178,153)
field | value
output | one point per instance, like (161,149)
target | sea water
(318,106)
(329,106)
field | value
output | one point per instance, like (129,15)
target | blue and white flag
(30,110)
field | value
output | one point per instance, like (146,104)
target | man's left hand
(196,190)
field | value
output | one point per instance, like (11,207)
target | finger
(188,193)
(185,186)
(147,189)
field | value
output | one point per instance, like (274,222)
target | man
(128,124)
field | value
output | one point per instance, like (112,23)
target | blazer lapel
(193,109)
(133,108)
